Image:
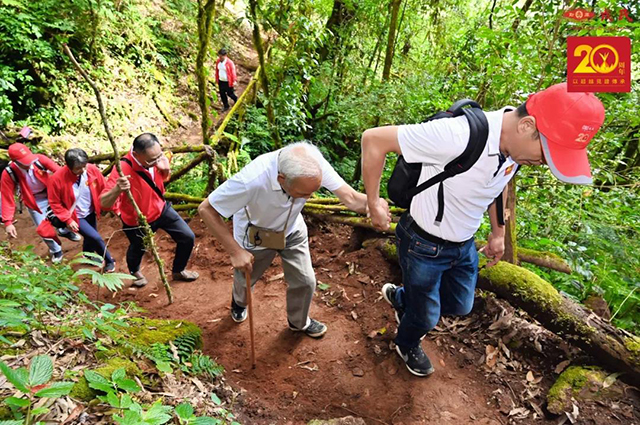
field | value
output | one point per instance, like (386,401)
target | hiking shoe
(416,360)
(314,330)
(72,236)
(238,314)
(185,276)
(389,291)
(56,257)
(109,268)
(140,280)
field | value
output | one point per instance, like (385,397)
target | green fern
(200,364)
(187,344)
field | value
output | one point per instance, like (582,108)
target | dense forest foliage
(335,68)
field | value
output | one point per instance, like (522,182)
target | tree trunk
(264,75)
(510,241)
(614,348)
(388,59)
(205,19)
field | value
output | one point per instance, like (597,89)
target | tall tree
(393,22)
(264,78)
(206,11)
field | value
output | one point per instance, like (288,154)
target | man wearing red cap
(438,258)
(28,176)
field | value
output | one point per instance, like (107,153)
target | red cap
(20,153)
(567,121)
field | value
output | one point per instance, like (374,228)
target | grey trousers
(298,274)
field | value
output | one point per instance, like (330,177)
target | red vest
(147,199)
(8,187)
(62,198)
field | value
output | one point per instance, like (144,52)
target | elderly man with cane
(265,199)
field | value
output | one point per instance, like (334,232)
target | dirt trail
(298,378)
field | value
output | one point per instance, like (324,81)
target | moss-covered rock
(5,413)
(633,345)
(81,389)
(145,332)
(580,383)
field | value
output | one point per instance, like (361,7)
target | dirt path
(349,371)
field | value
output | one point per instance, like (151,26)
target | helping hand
(380,215)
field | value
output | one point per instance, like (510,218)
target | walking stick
(250,307)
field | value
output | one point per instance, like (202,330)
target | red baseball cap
(22,154)
(567,121)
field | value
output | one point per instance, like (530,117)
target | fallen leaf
(562,366)
(610,380)
(354,315)
(295,394)
(530,377)
(492,356)
(153,295)
(276,277)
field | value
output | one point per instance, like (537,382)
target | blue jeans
(93,242)
(438,279)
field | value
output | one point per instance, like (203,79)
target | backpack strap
(478,135)
(14,177)
(146,178)
(39,165)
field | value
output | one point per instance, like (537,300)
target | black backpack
(403,184)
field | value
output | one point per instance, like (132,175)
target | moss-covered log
(208,153)
(614,348)
(544,259)
(343,219)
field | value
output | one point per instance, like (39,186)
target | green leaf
(113,399)
(158,414)
(18,377)
(18,402)
(323,286)
(128,385)
(126,401)
(39,411)
(57,389)
(95,377)
(40,370)
(118,374)
(184,411)
(216,400)
(11,423)
(164,367)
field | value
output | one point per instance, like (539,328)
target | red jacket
(147,199)
(62,198)
(232,77)
(7,187)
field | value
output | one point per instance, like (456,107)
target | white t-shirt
(81,191)
(256,187)
(37,187)
(466,196)
(222,71)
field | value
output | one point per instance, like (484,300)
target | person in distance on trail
(28,175)
(145,170)
(74,198)
(265,199)
(438,258)
(226,78)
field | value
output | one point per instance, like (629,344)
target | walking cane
(250,307)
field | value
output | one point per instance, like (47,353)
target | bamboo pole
(142,220)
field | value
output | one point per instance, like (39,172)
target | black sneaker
(389,294)
(238,314)
(56,257)
(109,267)
(72,236)
(314,330)
(416,360)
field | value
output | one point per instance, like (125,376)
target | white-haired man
(265,199)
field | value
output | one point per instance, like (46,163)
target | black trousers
(171,222)
(92,241)
(225,91)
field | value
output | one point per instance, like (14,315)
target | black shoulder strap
(478,135)
(38,164)
(145,177)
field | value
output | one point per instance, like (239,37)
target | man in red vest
(226,78)
(74,197)
(28,176)
(145,170)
